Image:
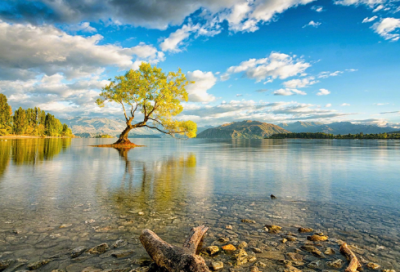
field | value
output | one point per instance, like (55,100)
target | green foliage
(103,136)
(321,135)
(32,122)
(5,116)
(156,94)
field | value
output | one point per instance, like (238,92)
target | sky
(275,61)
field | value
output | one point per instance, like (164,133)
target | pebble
(329,251)
(273,228)
(37,265)
(229,247)
(242,244)
(317,238)
(217,265)
(305,230)
(335,264)
(248,221)
(122,253)
(65,226)
(213,249)
(77,251)
(229,227)
(373,266)
(99,249)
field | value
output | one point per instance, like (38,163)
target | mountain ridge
(242,130)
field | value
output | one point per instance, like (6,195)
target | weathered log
(354,263)
(175,258)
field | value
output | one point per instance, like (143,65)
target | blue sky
(268,60)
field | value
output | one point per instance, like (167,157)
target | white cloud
(327,74)
(345,105)
(367,20)
(317,8)
(239,95)
(46,49)
(312,24)
(381,104)
(378,8)
(386,27)
(203,82)
(323,92)
(262,111)
(300,83)
(176,38)
(328,105)
(84,27)
(277,65)
(289,92)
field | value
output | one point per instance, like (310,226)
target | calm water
(350,189)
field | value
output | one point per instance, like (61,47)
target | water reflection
(30,151)
(158,184)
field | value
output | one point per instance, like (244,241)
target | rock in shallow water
(248,221)
(217,265)
(5,263)
(335,264)
(122,253)
(37,265)
(100,249)
(76,252)
(317,238)
(212,250)
(305,230)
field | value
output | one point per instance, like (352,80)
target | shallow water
(348,189)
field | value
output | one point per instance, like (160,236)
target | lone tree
(156,95)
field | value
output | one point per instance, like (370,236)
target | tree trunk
(123,138)
(174,258)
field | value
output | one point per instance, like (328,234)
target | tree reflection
(153,185)
(30,151)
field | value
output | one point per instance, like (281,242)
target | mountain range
(89,127)
(242,130)
(335,128)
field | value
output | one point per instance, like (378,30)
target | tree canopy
(153,93)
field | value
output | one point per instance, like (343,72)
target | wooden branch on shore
(354,263)
(175,258)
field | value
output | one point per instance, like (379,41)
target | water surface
(348,188)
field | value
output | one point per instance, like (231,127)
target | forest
(30,122)
(321,135)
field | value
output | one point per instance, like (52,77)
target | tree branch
(165,132)
(126,117)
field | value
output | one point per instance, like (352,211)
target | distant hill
(89,127)
(242,130)
(335,128)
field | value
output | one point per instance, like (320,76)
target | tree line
(322,135)
(34,122)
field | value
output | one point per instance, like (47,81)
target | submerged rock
(5,263)
(76,252)
(317,238)
(329,251)
(122,253)
(37,265)
(373,266)
(217,265)
(212,250)
(335,264)
(305,230)
(241,257)
(242,244)
(248,221)
(120,243)
(273,228)
(100,249)
(313,250)
(295,257)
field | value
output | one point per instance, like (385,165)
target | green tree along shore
(321,135)
(32,122)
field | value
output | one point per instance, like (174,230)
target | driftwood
(354,263)
(175,258)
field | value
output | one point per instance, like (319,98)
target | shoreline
(30,137)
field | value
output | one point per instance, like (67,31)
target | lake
(60,194)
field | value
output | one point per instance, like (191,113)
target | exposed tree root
(354,263)
(174,258)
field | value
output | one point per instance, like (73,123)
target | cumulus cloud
(390,112)
(46,49)
(386,27)
(300,83)
(323,92)
(367,20)
(203,82)
(328,105)
(241,15)
(289,92)
(277,65)
(312,24)
(376,5)
(345,105)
